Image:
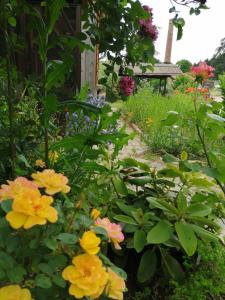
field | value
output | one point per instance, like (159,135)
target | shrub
(205,278)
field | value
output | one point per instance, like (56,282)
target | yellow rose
(40,163)
(30,208)
(115,287)
(13,188)
(87,276)
(14,292)
(51,181)
(90,242)
(95,213)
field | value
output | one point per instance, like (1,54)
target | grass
(148,110)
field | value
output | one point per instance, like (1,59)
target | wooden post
(164,87)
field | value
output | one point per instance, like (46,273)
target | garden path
(136,147)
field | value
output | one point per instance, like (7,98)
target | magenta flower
(114,231)
(203,71)
(127,85)
(147,26)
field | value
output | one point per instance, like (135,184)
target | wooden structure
(69,24)
(161,72)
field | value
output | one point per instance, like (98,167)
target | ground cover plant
(75,221)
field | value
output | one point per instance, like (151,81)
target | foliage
(184,65)
(222,84)
(183,82)
(218,59)
(203,275)
(160,138)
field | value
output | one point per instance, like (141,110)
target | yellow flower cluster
(51,181)
(53,156)
(40,163)
(14,292)
(29,206)
(87,275)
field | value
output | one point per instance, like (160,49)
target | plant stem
(9,94)
(202,140)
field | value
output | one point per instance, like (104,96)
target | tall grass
(148,110)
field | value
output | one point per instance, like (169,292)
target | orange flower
(51,181)
(40,163)
(95,213)
(190,90)
(13,188)
(30,208)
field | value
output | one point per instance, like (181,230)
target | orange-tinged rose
(40,163)
(90,242)
(87,276)
(51,181)
(30,208)
(95,213)
(14,292)
(13,188)
(116,286)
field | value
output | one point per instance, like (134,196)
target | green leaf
(55,9)
(171,119)
(186,237)
(16,275)
(50,243)
(199,210)
(163,204)
(2,274)
(216,117)
(139,240)
(140,181)
(147,266)
(100,230)
(12,21)
(125,219)
(6,261)
(181,202)
(160,233)
(126,209)
(43,281)
(119,185)
(59,281)
(172,266)
(67,238)
(45,268)
(168,158)
(58,261)
(6,205)
(204,234)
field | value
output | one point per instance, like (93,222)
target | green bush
(148,110)
(205,280)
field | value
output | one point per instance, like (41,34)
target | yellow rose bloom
(115,287)
(40,163)
(14,292)
(51,181)
(90,242)
(95,213)
(30,208)
(87,276)
(13,188)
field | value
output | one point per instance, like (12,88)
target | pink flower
(203,71)
(147,26)
(127,85)
(12,189)
(114,231)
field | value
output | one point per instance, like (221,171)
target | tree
(218,59)
(184,65)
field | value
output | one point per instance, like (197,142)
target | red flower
(203,71)
(127,85)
